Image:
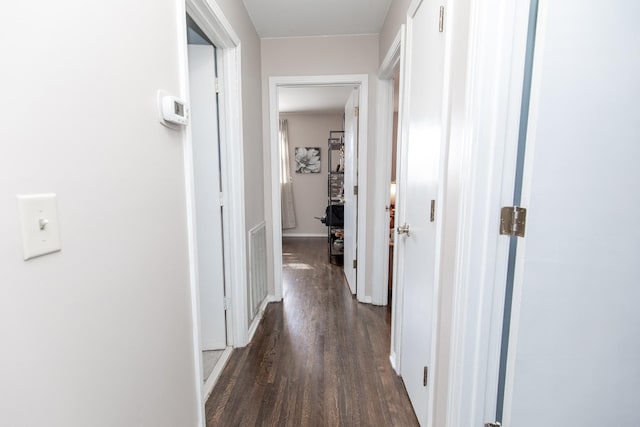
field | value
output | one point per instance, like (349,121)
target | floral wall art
(307,159)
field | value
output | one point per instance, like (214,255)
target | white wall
(318,56)
(396,16)
(310,190)
(100,333)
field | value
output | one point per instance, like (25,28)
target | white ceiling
(298,18)
(316,99)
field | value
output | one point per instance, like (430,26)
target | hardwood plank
(319,358)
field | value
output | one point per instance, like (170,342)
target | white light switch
(39,223)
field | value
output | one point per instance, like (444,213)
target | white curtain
(286,182)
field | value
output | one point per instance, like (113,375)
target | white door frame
(394,58)
(209,17)
(497,40)
(362,81)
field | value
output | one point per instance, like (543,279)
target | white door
(206,170)
(574,352)
(419,186)
(350,181)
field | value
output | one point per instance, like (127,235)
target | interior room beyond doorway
(358,85)
(312,170)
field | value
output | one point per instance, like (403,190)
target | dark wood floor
(319,358)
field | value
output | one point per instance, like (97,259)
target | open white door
(206,171)
(417,193)
(350,182)
(574,349)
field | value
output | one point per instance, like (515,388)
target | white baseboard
(215,374)
(304,234)
(392,360)
(272,298)
(367,300)
(258,318)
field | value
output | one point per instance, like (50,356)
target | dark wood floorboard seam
(318,358)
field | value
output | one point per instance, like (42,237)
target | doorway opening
(207,187)
(390,206)
(388,290)
(313,169)
(355,86)
(214,28)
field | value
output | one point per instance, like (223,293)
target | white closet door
(574,353)
(206,166)
(350,180)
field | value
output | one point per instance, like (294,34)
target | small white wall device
(174,112)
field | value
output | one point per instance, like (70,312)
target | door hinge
(425,376)
(356,111)
(355,190)
(432,216)
(513,220)
(227,303)
(496,424)
(355,263)
(221,199)
(441,20)
(218,85)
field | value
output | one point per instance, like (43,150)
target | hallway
(318,358)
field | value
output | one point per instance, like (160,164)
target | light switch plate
(39,224)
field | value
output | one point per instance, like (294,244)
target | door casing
(349,80)
(393,59)
(211,20)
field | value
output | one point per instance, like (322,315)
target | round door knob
(403,229)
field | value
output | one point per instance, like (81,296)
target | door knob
(404,229)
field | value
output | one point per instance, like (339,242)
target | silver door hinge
(496,424)
(441,20)
(218,85)
(356,111)
(355,263)
(221,199)
(227,303)
(355,190)
(425,376)
(513,220)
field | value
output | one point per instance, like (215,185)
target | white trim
(397,308)
(392,58)
(316,36)
(258,318)
(190,214)
(361,80)
(497,40)
(392,361)
(384,146)
(381,213)
(304,235)
(209,17)
(215,374)
(233,182)
(211,20)
(413,9)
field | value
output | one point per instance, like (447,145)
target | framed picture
(307,159)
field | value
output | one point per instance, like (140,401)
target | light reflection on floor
(298,266)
